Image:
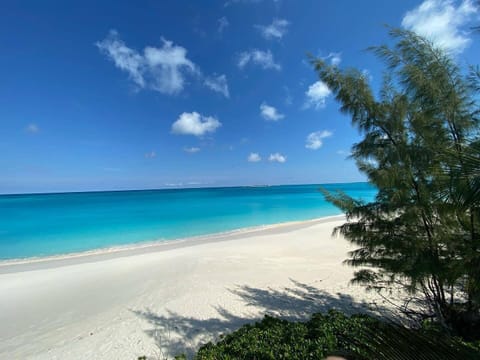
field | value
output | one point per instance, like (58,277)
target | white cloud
(261,58)
(222,24)
(218,83)
(173,184)
(277,157)
(151,155)
(32,128)
(276,30)
(191,150)
(314,140)
(317,94)
(270,113)
(159,68)
(163,69)
(167,65)
(335,58)
(441,21)
(195,124)
(254,157)
(124,58)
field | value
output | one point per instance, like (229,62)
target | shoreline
(8,266)
(176,295)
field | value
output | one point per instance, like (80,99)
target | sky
(113,95)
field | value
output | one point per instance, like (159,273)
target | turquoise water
(52,224)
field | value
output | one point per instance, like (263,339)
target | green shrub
(356,337)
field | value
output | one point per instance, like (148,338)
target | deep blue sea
(53,224)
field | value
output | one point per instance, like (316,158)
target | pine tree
(421,149)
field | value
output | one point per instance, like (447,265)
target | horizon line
(175,188)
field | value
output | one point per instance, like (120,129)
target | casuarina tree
(420,148)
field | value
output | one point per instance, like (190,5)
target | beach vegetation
(357,337)
(420,148)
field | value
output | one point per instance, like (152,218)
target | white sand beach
(169,298)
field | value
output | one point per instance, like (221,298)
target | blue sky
(111,95)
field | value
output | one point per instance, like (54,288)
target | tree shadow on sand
(176,334)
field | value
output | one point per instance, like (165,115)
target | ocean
(35,225)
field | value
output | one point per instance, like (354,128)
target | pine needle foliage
(421,149)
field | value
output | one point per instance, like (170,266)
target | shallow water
(53,224)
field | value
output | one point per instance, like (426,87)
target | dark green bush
(356,337)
